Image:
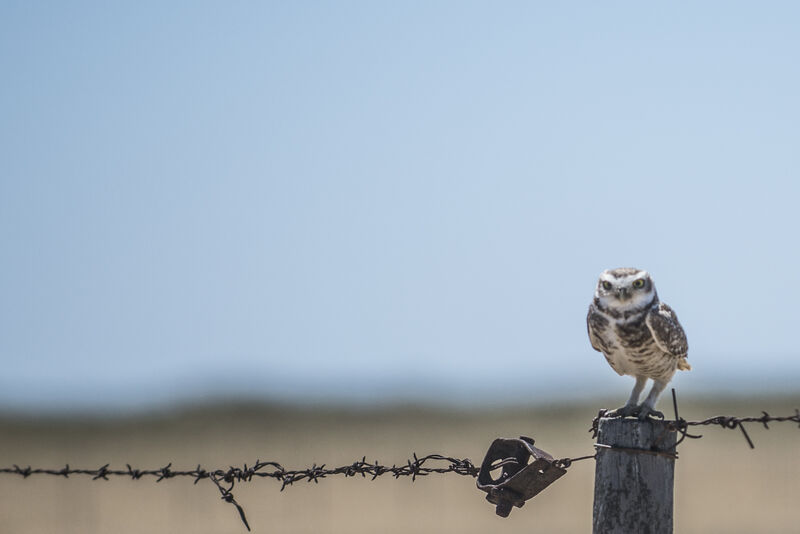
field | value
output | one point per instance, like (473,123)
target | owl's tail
(683,365)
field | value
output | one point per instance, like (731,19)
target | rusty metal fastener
(518,480)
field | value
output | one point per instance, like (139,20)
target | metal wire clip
(518,480)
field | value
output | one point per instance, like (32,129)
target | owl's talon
(646,412)
(629,410)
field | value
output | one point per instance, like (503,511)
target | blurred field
(721,485)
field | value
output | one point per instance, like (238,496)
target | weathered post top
(634,475)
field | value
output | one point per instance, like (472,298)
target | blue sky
(365,200)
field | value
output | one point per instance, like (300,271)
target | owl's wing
(667,331)
(594,320)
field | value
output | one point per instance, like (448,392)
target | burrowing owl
(638,334)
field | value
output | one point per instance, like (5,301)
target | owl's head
(625,288)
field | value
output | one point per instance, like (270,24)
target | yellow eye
(606,285)
(638,284)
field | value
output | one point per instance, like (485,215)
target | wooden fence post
(634,474)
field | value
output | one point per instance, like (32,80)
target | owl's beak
(622,293)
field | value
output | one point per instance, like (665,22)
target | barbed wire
(225,479)
(681,425)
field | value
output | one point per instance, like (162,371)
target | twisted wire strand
(226,479)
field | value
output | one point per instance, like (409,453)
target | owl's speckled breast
(629,347)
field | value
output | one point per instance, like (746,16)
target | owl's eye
(638,284)
(606,285)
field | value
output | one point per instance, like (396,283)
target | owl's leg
(631,407)
(648,407)
(637,390)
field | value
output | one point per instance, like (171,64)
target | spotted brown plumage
(638,334)
(668,333)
